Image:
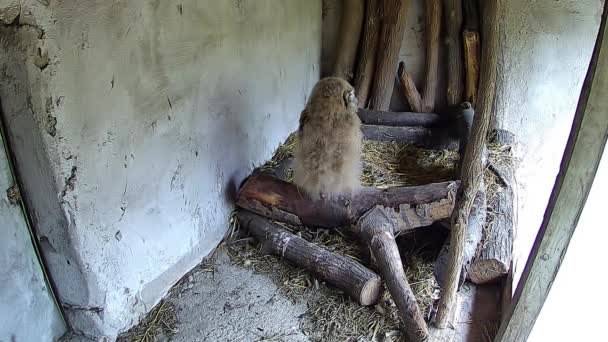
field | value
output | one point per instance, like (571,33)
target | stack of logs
(477,250)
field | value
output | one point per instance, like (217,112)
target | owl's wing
(304,120)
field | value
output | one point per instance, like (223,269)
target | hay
(161,319)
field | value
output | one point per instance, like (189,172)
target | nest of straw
(333,316)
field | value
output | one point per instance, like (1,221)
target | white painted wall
(545,50)
(146,118)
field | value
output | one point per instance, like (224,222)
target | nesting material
(161,319)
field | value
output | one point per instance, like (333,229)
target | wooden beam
(453,42)
(348,41)
(368,51)
(429,138)
(579,164)
(398,119)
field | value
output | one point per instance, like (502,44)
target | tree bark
(493,260)
(393,28)
(430,138)
(417,206)
(342,272)
(348,41)
(376,230)
(472,170)
(368,52)
(399,119)
(455,76)
(433,28)
(410,91)
(471,50)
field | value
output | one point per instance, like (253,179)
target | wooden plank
(577,171)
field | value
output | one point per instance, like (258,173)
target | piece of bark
(472,168)
(346,274)
(437,138)
(368,52)
(474,234)
(348,39)
(495,255)
(410,92)
(471,44)
(376,229)
(455,75)
(418,206)
(391,36)
(399,119)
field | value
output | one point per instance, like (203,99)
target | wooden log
(391,35)
(472,49)
(433,28)
(410,92)
(418,206)
(472,168)
(474,234)
(346,274)
(398,119)
(455,75)
(493,260)
(376,230)
(430,138)
(348,39)
(368,52)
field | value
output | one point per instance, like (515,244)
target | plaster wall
(545,51)
(133,122)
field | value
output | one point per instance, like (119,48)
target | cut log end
(488,271)
(371,291)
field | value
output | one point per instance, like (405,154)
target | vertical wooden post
(368,52)
(348,42)
(580,162)
(453,42)
(472,170)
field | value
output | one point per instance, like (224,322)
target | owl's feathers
(328,151)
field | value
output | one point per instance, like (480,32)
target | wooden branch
(493,260)
(471,44)
(348,41)
(340,271)
(455,76)
(433,28)
(430,138)
(472,170)
(418,206)
(393,28)
(376,230)
(399,119)
(582,156)
(409,89)
(368,52)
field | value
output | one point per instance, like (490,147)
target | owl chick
(328,149)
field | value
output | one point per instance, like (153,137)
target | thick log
(368,52)
(410,92)
(493,260)
(356,280)
(472,48)
(430,138)
(418,206)
(433,28)
(453,41)
(472,168)
(376,229)
(348,41)
(474,234)
(399,119)
(393,28)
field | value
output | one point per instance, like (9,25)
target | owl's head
(336,92)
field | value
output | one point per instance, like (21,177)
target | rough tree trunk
(455,76)
(429,138)
(342,272)
(368,52)
(471,41)
(418,206)
(376,230)
(348,41)
(494,257)
(472,171)
(393,28)
(399,119)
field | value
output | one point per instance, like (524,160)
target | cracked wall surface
(133,122)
